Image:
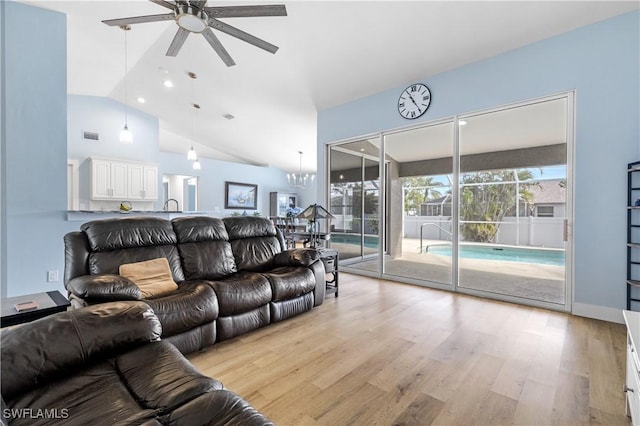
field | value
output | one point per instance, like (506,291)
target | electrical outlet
(52,276)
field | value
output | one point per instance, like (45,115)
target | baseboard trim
(603,313)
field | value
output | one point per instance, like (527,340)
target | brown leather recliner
(234,274)
(104,364)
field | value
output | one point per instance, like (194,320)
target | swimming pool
(508,254)
(370,241)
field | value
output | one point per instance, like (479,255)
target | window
(545,211)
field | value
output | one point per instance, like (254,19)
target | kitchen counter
(89,215)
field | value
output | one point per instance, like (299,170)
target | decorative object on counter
(125,134)
(240,196)
(256,214)
(300,180)
(312,214)
(125,207)
(293,211)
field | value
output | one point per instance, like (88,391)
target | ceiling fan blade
(246,11)
(218,47)
(177,42)
(139,19)
(237,33)
(164,3)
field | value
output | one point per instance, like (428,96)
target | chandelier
(300,180)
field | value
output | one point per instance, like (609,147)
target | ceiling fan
(195,17)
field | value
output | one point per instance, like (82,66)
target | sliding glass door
(513,201)
(355,203)
(479,203)
(419,215)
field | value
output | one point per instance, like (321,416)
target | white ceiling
(331,52)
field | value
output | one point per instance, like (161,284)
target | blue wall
(43,127)
(601,62)
(34,157)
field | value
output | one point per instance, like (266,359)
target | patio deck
(527,280)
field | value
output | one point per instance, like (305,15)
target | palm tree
(418,190)
(486,197)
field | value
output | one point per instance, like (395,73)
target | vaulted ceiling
(331,52)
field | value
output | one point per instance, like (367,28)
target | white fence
(525,231)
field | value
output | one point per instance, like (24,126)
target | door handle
(565,230)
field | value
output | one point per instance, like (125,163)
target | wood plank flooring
(385,353)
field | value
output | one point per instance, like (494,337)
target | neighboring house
(549,198)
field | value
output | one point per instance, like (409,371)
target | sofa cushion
(192,304)
(153,277)
(113,234)
(93,395)
(242,292)
(254,242)
(108,262)
(288,282)
(204,248)
(79,336)
(221,407)
(169,381)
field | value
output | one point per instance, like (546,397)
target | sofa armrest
(107,287)
(297,257)
(36,353)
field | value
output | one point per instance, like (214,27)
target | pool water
(509,254)
(370,241)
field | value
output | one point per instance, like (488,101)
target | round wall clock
(414,101)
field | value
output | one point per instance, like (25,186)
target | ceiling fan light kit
(193,16)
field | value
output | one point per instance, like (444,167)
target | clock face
(414,101)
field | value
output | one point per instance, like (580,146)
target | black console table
(48,303)
(330,259)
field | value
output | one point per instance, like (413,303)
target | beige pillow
(153,277)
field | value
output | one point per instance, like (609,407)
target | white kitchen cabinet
(122,180)
(632,385)
(143,182)
(108,180)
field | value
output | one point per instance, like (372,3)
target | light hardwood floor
(385,353)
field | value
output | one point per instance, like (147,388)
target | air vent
(91,136)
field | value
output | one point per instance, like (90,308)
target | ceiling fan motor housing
(191,18)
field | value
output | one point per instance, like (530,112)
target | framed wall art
(240,196)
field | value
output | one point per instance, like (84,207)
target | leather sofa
(233,274)
(105,364)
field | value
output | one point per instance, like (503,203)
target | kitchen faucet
(166,204)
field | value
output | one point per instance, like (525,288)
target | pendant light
(125,134)
(191,155)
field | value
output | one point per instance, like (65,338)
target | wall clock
(414,101)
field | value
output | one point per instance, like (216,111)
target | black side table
(49,303)
(330,259)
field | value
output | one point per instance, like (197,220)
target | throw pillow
(153,277)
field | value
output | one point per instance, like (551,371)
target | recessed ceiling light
(168,83)
(141,99)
